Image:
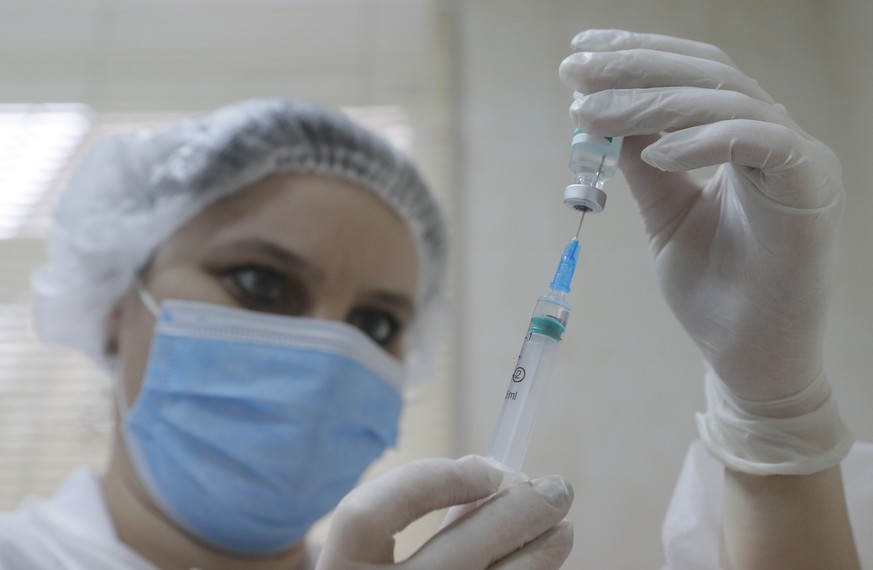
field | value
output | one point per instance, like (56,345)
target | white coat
(70,531)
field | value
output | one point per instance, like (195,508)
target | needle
(582,219)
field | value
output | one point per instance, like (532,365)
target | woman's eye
(258,285)
(379,325)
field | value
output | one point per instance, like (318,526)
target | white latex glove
(520,528)
(743,257)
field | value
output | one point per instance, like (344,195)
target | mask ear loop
(145,296)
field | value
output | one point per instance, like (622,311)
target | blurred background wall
(471,88)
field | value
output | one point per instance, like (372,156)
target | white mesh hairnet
(134,190)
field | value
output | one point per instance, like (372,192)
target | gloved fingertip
(577,113)
(571,68)
(578,40)
(491,468)
(564,72)
(557,490)
(657,158)
(582,40)
(576,105)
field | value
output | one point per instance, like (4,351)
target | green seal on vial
(546,325)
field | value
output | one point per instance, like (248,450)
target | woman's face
(293,244)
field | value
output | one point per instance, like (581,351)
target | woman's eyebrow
(287,259)
(398,301)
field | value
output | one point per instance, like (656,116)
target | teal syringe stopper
(567,266)
(547,325)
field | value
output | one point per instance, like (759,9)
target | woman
(254,279)
(200,471)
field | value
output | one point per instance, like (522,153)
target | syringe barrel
(529,381)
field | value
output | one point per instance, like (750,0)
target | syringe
(534,366)
(593,160)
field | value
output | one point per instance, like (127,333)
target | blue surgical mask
(249,427)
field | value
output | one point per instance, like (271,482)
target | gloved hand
(519,528)
(743,257)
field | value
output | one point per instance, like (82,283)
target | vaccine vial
(593,161)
